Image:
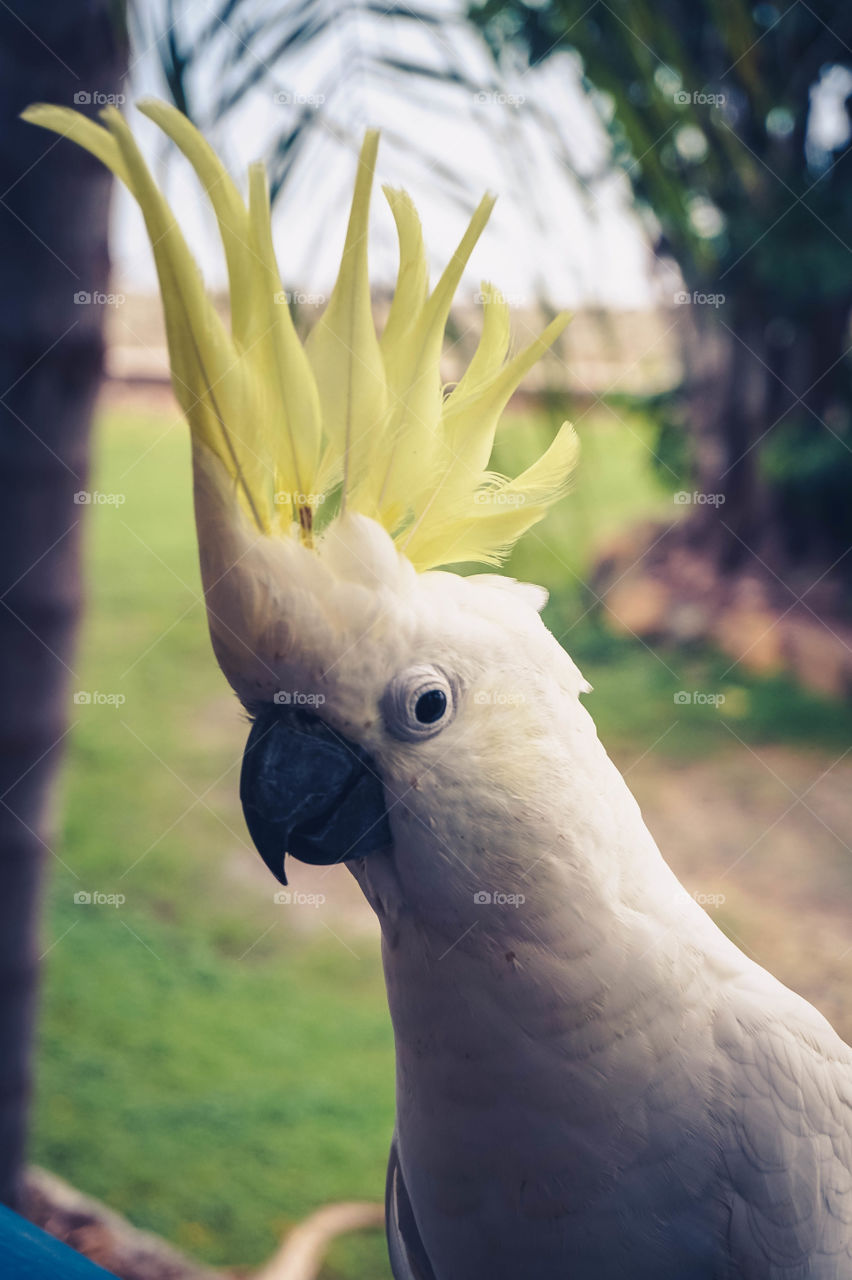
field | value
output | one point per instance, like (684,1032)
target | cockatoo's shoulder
(788,1147)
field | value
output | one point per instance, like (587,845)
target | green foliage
(708,108)
(732,123)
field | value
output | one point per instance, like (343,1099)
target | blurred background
(210,1062)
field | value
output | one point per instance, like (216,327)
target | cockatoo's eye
(418,703)
(430,706)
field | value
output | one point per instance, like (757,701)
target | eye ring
(418,703)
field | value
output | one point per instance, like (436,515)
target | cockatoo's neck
(556,850)
(585,933)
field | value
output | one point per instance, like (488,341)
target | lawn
(202,1067)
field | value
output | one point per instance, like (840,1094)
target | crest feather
(285,424)
(343,347)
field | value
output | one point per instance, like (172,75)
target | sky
(563,229)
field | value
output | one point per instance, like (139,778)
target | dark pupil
(430,706)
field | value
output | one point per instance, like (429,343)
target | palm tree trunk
(53,246)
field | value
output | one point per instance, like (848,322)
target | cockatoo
(592,1081)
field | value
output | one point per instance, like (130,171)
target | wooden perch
(110,1240)
(103,1235)
(302,1251)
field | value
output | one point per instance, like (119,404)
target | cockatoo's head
(331,480)
(394,704)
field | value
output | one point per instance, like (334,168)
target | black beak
(309,792)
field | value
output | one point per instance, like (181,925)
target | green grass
(202,1068)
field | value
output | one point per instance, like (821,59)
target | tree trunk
(53,224)
(750,376)
(730,390)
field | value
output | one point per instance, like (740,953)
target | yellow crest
(348,418)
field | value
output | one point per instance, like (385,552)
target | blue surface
(28,1253)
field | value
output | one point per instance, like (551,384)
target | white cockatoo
(592,1081)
